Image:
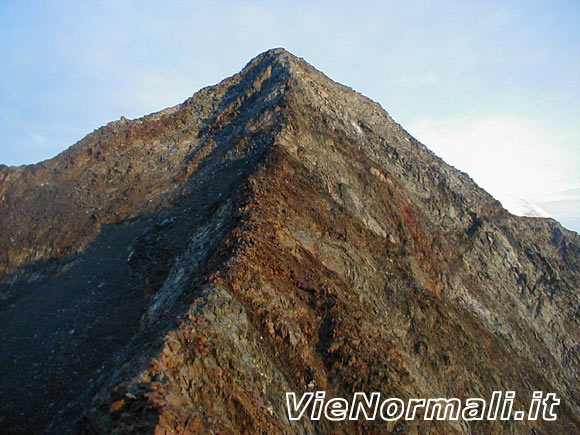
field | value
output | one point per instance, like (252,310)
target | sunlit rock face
(276,232)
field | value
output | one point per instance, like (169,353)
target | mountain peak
(274,233)
(273,54)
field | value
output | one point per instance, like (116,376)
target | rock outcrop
(276,232)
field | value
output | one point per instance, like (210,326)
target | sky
(492,87)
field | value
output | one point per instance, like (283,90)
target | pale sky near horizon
(492,87)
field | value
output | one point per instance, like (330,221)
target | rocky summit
(277,232)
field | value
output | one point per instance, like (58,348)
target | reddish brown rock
(276,232)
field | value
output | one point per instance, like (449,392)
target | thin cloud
(510,157)
(522,157)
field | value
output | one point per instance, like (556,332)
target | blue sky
(492,87)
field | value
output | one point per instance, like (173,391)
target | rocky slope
(275,232)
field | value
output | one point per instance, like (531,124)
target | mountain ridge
(274,231)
